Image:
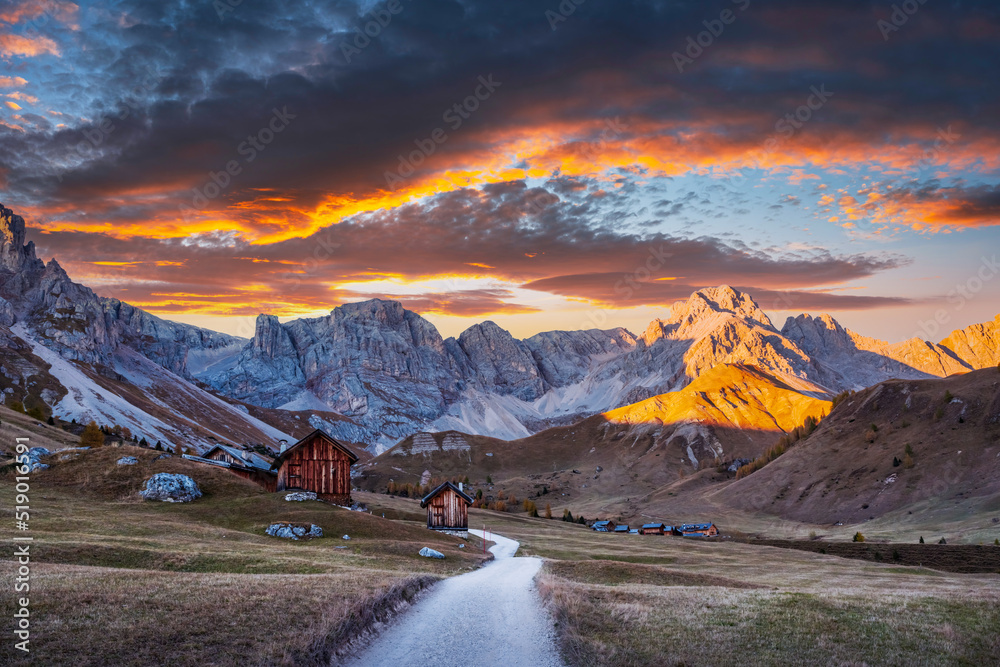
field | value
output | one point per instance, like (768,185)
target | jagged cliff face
(84,357)
(844,359)
(389,372)
(977,345)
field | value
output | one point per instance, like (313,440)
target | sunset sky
(543,165)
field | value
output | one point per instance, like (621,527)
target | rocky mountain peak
(706,310)
(15,254)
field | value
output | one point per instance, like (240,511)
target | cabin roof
(318,433)
(227,464)
(426,499)
(652,525)
(255,460)
(622,528)
(696,526)
(601,523)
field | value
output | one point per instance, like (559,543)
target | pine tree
(91,436)
(921,539)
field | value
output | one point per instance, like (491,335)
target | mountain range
(375,373)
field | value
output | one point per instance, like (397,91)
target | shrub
(91,436)
(548,511)
(947,397)
(489,480)
(939,412)
(812,535)
(878,555)
(942,541)
(858,537)
(895,554)
(17,406)
(36,413)
(874,427)
(500,506)
(907,461)
(921,539)
(996,542)
(895,462)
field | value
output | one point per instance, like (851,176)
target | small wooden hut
(651,529)
(604,526)
(317,463)
(447,508)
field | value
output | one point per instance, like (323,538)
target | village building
(651,529)
(317,463)
(699,530)
(447,508)
(604,526)
(621,528)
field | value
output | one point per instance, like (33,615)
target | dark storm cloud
(217,79)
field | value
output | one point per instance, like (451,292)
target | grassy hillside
(602,464)
(930,447)
(118,580)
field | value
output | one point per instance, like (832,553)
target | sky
(542,164)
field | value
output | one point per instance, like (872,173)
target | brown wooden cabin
(242,463)
(317,463)
(652,529)
(447,508)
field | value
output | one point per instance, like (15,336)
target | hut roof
(623,528)
(255,460)
(318,433)
(696,526)
(426,499)
(652,525)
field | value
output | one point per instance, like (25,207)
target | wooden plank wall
(447,510)
(317,466)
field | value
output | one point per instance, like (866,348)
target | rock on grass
(170,488)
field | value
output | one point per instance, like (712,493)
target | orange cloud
(12,82)
(16,45)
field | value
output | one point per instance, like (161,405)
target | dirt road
(488,617)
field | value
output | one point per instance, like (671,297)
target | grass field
(651,600)
(116,580)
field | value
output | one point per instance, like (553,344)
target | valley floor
(120,581)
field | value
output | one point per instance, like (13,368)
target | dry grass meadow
(627,600)
(119,581)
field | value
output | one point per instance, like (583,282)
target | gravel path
(488,617)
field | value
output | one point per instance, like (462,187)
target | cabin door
(295,475)
(437,511)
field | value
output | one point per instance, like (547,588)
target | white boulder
(300,496)
(127,461)
(427,552)
(291,531)
(170,488)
